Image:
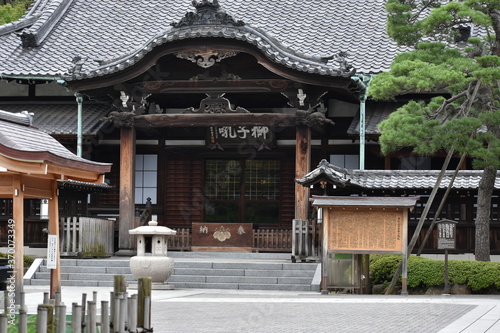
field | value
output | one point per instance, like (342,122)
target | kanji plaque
(365,231)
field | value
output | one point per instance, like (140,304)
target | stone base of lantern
(158,269)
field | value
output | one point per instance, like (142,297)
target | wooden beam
(217,119)
(55,274)
(127,200)
(302,166)
(17,239)
(12,165)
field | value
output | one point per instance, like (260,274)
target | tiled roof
(27,143)
(391,179)
(61,119)
(296,34)
(375,113)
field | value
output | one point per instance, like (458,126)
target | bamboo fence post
(132,313)
(143,290)
(3,323)
(6,301)
(42,318)
(76,318)
(91,317)
(46,299)
(105,317)
(61,318)
(23,321)
(123,312)
(111,308)
(84,311)
(147,313)
(116,313)
(120,285)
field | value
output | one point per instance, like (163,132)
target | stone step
(219,272)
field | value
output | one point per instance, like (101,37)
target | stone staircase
(245,271)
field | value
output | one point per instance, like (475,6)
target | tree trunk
(486,185)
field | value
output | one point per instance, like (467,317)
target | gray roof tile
(61,119)
(21,141)
(100,30)
(391,179)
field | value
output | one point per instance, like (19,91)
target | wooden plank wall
(184,201)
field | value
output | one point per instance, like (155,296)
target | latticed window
(146,178)
(242,191)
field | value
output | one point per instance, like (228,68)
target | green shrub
(424,272)
(27,260)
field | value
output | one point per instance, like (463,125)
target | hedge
(423,272)
(27,260)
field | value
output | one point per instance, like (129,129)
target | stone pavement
(213,311)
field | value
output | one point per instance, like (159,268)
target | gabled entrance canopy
(31,164)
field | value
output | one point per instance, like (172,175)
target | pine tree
(464,71)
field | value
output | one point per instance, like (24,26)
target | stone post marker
(155,264)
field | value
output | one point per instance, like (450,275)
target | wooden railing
(275,240)
(265,240)
(86,236)
(181,241)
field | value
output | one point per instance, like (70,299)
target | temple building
(210,110)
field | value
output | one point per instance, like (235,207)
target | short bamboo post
(6,301)
(76,318)
(50,316)
(61,318)
(123,312)
(120,285)
(84,311)
(147,313)
(143,290)
(22,295)
(57,297)
(132,313)
(116,313)
(46,299)
(105,317)
(42,318)
(91,317)
(3,322)
(23,322)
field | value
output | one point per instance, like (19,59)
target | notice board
(366,230)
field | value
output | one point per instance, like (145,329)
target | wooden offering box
(222,237)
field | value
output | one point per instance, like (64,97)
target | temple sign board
(364,225)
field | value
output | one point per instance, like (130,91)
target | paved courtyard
(212,311)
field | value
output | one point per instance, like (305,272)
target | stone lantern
(156,264)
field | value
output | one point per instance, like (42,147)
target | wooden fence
(86,236)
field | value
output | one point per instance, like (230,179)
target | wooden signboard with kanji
(366,230)
(222,237)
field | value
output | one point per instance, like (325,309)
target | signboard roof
(407,202)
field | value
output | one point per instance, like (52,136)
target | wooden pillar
(18,236)
(302,166)
(55,274)
(127,201)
